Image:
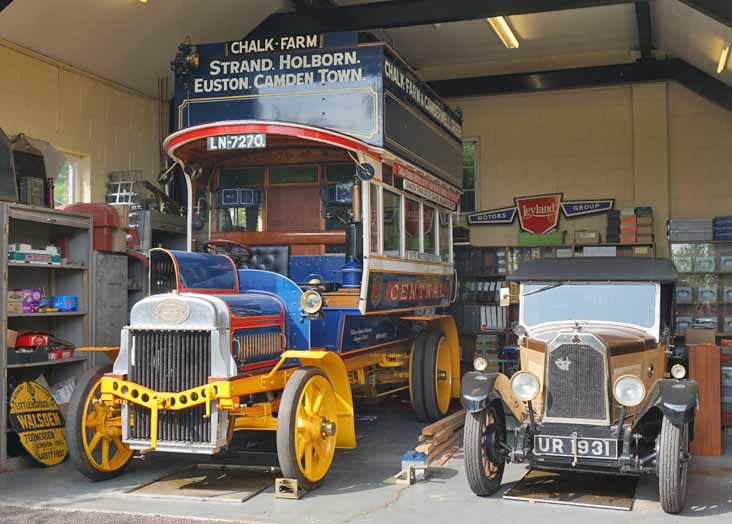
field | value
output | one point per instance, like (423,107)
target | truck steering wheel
(221,246)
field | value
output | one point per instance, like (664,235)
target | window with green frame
(468,202)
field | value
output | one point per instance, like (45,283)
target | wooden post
(704,367)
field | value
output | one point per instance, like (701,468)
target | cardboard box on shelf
(644,230)
(642,251)
(699,336)
(10,339)
(645,239)
(15,302)
(644,220)
(586,236)
(628,220)
(628,239)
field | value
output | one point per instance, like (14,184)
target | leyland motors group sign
(539,214)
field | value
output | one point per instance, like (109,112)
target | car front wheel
(673,465)
(484,442)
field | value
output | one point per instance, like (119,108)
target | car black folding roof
(596,269)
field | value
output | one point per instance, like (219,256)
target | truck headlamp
(629,391)
(525,386)
(311,302)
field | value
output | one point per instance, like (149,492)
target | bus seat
(269,258)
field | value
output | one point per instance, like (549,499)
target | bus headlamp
(311,302)
(629,391)
(525,386)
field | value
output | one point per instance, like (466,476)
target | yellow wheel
(437,370)
(442,376)
(94,432)
(306,427)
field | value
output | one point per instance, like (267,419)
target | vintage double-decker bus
(322,178)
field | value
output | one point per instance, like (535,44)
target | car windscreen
(631,303)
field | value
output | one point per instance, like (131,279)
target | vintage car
(593,393)
(319,262)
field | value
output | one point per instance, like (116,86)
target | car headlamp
(525,386)
(311,302)
(678,371)
(629,391)
(480,364)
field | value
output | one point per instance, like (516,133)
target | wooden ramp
(575,489)
(210,482)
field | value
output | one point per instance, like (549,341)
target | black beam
(405,13)
(552,80)
(312,4)
(5,3)
(703,84)
(676,70)
(720,10)
(645,31)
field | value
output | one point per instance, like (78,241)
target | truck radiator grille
(576,386)
(257,344)
(171,361)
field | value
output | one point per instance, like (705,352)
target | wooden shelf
(48,362)
(52,314)
(27,265)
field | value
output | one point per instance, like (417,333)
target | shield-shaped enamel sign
(539,214)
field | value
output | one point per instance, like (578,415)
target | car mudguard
(477,390)
(676,399)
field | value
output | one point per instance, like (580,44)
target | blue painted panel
(337,89)
(364,331)
(297,328)
(252,305)
(327,266)
(203,271)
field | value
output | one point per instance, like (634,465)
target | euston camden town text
(280,71)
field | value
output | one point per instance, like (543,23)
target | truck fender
(676,399)
(334,368)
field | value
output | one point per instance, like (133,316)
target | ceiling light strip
(504,32)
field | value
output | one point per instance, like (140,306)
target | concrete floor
(354,491)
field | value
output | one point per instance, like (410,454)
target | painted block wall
(654,144)
(110,127)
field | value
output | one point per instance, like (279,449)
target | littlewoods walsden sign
(539,214)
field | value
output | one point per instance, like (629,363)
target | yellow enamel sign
(35,417)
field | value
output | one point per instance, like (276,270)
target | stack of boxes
(644,220)
(722,228)
(685,230)
(628,226)
(613,227)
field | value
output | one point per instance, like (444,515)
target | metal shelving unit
(40,227)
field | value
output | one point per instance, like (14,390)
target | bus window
(429,217)
(337,199)
(444,236)
(392,223)
(293,175)
(412,220)
(374,206)
(239,200)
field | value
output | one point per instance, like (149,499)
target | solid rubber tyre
(295,442)
(417,379)
(437,392)
(484,476)
(673,441)
(75,434)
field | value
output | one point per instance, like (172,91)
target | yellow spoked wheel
(306,427)
(442,376)
(94,432)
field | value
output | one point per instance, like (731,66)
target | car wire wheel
(484,439)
